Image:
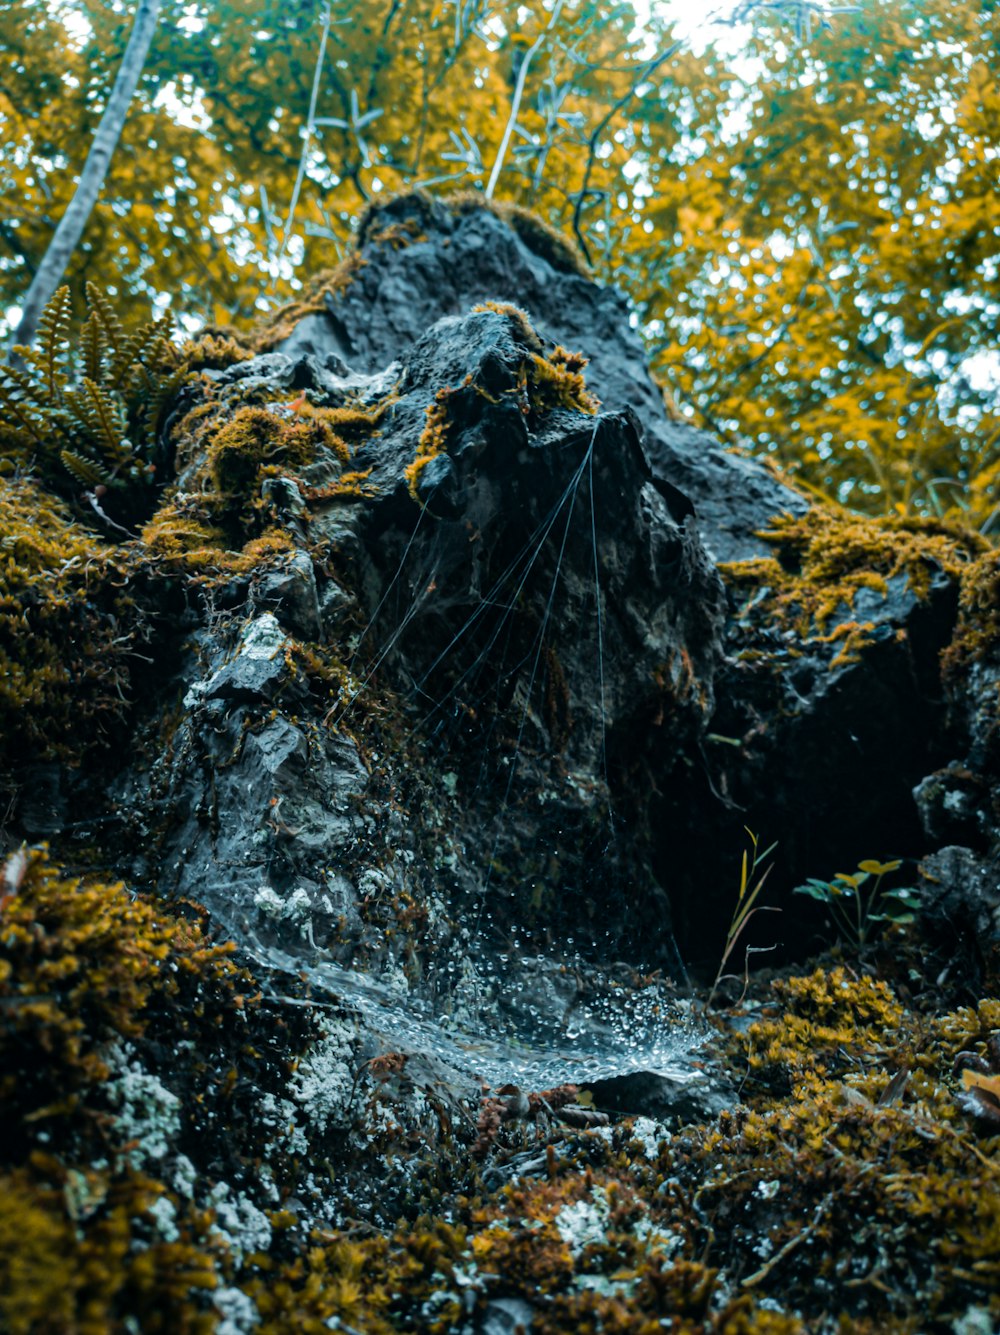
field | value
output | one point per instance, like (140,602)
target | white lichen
(237,1311)
(238,1223)
(263,638)
(164,1215)
(585,1223)
(650,1136)
(147,1113)
(324,1081)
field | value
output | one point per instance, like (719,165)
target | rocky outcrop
(415,515)
(422,260)
(441,681)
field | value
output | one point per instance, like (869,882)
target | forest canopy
(805,219)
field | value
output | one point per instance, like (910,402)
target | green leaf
(815,890)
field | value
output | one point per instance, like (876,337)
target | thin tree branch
(515,106)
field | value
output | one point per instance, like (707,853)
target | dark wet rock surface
(475,257)
(454,708)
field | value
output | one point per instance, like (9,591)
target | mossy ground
(106,999)
(839,1196)
(852,1189)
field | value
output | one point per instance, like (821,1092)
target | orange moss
(518,318)
(349,486)
(827,556)
(324,288)
(64,629)
(557,381)
(977,635)
(433,439)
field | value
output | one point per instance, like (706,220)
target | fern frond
(163,391)
(22,404)
(17,385)
(101,416)
(93,342)
(144,346)
(52,343)
(18,415)
(99,306)
(86,471)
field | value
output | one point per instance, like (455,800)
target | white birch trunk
(67,235)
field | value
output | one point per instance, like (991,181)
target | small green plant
(857,900)
(84,419)
(751,884)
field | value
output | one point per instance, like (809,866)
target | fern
(86,471)
(143,348)
(102,311)
(100,417)
(93,343)
(160,393)
(50,353)
(88,416)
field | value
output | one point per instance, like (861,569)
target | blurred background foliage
(801,202)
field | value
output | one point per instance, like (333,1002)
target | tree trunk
(67,235)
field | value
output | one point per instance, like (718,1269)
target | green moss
(824,559)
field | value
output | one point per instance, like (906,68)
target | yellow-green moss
(80,961)
(433,439)
(350,486)
(524,330)
(225,523)
(825,557)
(854,1157)
(216,350)
(176,540)
(977,635)
(557,381)
(251,438)
(398,235)
(86,968)
(64,634)
(92,1269)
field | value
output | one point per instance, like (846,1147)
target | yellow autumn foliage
(805,221)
